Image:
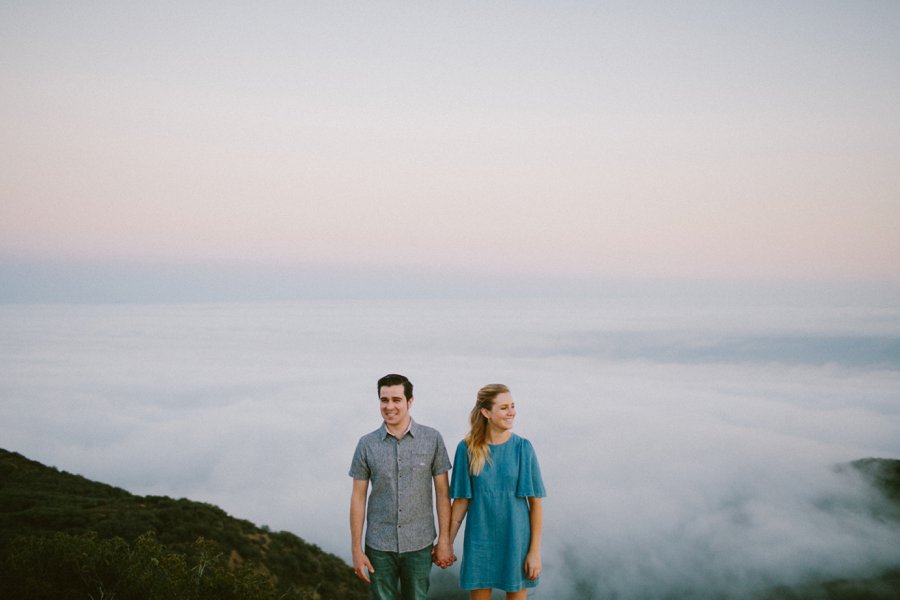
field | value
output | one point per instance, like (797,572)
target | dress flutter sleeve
(530,484)
(460,480)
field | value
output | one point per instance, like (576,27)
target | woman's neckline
(504,441)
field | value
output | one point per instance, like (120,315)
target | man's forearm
(361,564)
(357,519)
(442,504)
(356,528)
(443,514)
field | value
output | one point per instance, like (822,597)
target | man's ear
(409,402)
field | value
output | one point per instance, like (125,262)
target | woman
(496,480)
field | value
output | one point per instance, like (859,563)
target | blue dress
(498,524)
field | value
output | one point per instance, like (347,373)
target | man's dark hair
(394,379)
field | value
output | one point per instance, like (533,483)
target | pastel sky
(681,139)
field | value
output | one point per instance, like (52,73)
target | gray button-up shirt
(400,514)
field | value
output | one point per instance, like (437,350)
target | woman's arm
(457,514)
(533,558)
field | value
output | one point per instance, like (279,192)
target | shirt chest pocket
(421,462)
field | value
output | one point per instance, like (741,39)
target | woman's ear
(485,413)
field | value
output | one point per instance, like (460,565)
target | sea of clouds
(689,445)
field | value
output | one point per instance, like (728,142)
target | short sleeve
(359,467)
(441,462)
(530,484)
(460,480)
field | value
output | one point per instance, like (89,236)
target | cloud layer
(685,448)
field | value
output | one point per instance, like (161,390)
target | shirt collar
(411,430)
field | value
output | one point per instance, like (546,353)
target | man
(402,460)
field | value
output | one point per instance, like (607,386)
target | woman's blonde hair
(476,439)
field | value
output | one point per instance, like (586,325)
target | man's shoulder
(424,427)
(373,436)
(427,432)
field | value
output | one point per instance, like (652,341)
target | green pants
(401,575)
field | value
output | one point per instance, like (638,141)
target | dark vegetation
(63,536)
(884,474)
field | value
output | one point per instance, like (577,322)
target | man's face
(394,405)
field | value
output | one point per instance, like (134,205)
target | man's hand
(442,555)
(361,566)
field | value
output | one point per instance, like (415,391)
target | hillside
(884,476)
(64,536)
(882,473)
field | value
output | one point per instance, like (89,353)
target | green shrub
(63,566)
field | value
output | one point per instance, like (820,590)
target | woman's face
(502,413)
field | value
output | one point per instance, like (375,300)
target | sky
(710,140)
(199,151)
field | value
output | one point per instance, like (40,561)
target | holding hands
(442,555)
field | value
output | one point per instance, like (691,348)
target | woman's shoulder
(522,443)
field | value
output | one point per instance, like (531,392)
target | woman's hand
(533,565)
(442,555)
